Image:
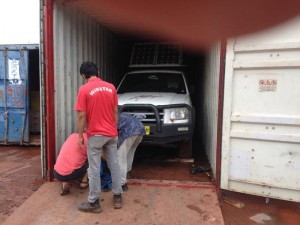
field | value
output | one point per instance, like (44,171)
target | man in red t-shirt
(97,107)
(71,164)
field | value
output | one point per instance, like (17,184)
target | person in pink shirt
(72,164)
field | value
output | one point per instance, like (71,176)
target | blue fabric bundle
(105,176)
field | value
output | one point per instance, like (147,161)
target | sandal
(66,187)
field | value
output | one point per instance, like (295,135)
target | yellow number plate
(147,130)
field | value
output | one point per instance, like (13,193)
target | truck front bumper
(168,134)
(158,133)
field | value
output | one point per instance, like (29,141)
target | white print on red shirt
(95,90)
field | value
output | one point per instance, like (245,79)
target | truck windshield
(153,82)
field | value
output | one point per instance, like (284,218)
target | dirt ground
(257,211)
(156,163)
(20,177)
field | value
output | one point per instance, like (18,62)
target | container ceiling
(195,22)
(108,16)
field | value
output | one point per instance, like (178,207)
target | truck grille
(147,116)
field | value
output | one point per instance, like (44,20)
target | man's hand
(81,115)
(80,142)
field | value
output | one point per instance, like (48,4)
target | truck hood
(157,98)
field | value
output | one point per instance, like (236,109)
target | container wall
(77,38)
(261,122)
(209,106)
(14,95)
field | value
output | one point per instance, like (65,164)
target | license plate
(147,130)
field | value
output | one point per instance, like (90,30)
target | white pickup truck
(161,100)
(156,91)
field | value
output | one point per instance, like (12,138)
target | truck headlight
(176,115)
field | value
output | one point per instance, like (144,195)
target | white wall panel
(210,104)
(261,135)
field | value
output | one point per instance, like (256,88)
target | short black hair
(88,69)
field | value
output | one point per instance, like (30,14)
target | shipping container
(261,121)
(19,94)
(72,34)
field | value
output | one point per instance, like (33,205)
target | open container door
(14,98)
(261,122)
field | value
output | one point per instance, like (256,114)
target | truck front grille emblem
(139,116)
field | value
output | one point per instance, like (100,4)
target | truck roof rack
(156,55)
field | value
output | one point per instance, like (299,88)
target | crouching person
(71,164)
(130,134)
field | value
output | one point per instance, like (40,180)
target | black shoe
(90,207)
(199,169)
(125,187)
(117,201)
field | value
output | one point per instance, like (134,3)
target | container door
(14,101)
(261,121)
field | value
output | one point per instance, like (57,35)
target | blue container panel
(2,104)
(14,98)
(16,121)
(2,125)
(2,98)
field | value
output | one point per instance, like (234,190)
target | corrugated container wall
(209,106)
(77,38)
